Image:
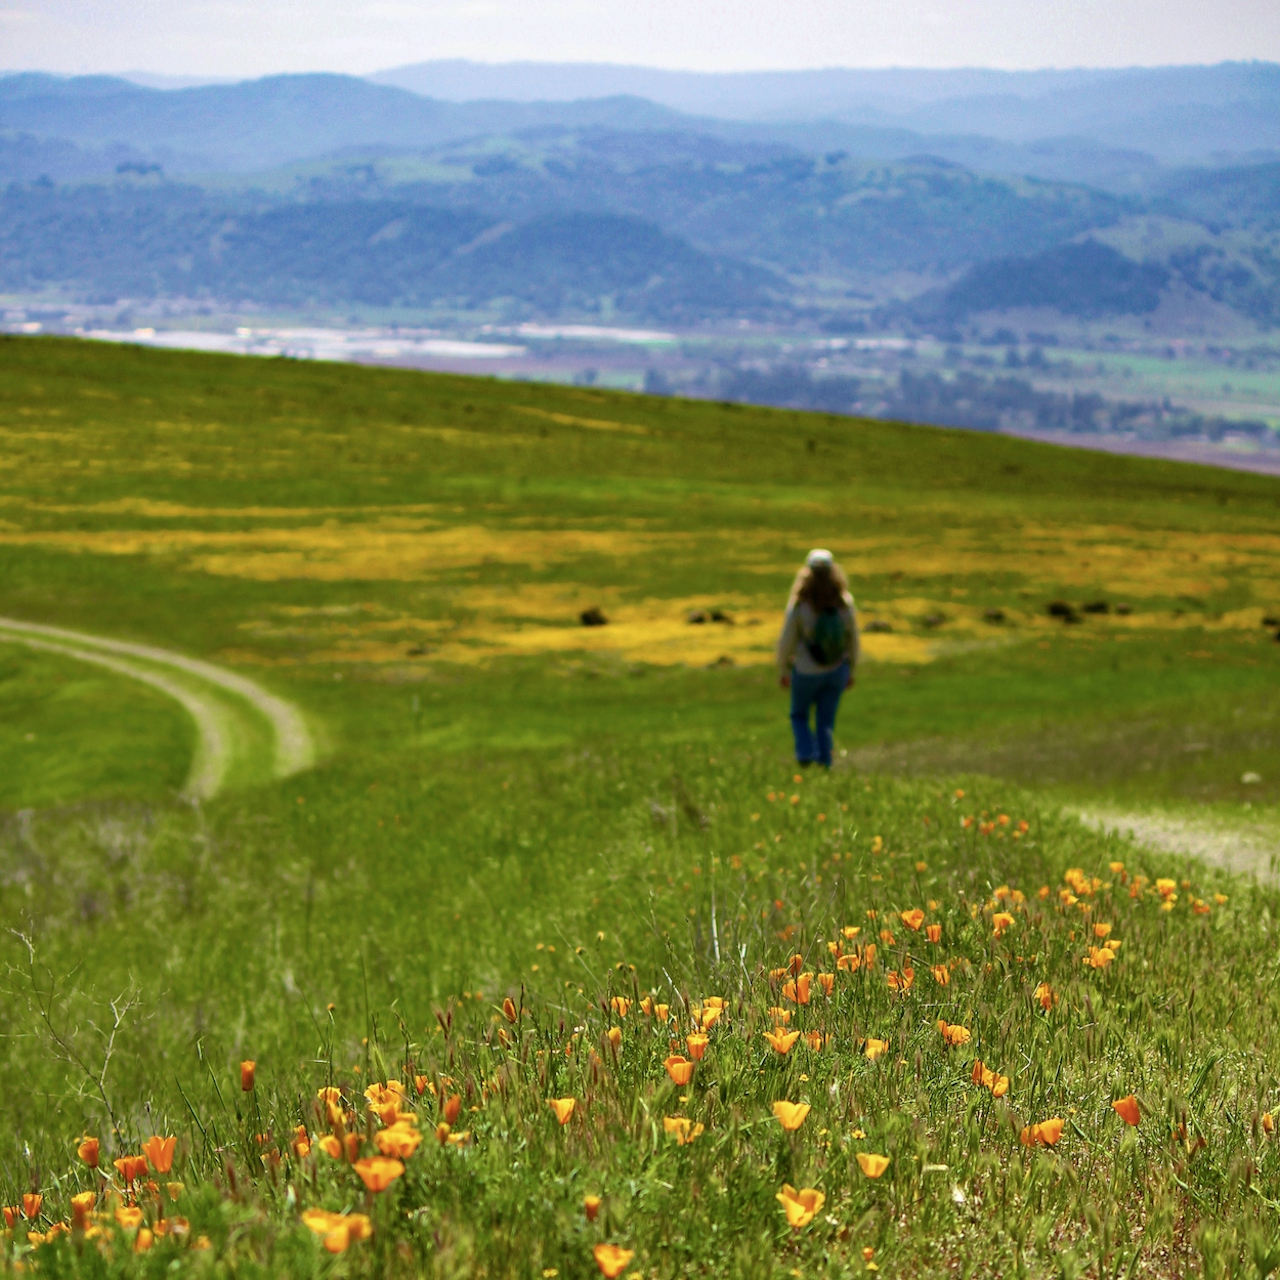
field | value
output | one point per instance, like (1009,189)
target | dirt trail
(218,725)
(1247,848)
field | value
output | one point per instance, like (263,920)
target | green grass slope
(512,806)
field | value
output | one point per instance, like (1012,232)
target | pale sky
(258,37)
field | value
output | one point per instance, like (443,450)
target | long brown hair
(822,588)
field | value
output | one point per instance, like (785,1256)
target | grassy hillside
(514,806)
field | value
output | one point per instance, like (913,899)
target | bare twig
(43,1001)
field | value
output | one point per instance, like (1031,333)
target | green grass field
(510,806)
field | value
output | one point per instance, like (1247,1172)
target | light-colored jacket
(798,627)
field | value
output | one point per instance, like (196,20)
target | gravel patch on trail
(217,724)
(1248,849)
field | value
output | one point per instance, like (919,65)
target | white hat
(820,559)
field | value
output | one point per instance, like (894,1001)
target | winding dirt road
(217,700)
(1242,847)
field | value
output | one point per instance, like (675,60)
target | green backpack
(829,641)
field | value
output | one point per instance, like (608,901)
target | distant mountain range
(1174,113)
(257,124)
(325,189)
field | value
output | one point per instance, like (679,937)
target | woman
(817,652)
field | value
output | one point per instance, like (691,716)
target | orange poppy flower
(679,1069)
(339,1230)
(790,1115)
(827,982)
(662,1012)
(913,919)
(1268,1124)
(796,963)
(131,1168)
(329,1095)
(81,1207)
(682,1129)
(875,1048)
(159,1152)
(382,1094)
(1001,921)
(901,982)
(941,974)
(850,963)
(378,1172)
(1099,957)
(697,1043)
(886,936)
(301,1142)
(934,933)
(452,1105)
(1127,1109)
(816,1040)
(954,1034)
(388,1112)
(710,1014)
(988,1079)
(612,1259)
(460,1139)
(563,1107)
(591,1207)
(248,1070)
(1045,1133)
(400,1140)
(509,1009)
(129,1216)
(619,1005)
(89,1151)
(871,1164)
(31,1203)
(347,1147)
(442,1132)
(1046,996)
(798,991)
(801,1206)
(780,1039)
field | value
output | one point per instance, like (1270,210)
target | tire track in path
(218,719)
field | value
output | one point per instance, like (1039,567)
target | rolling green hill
(510,805)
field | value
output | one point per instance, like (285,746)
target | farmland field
(602,826)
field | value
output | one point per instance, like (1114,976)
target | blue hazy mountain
(256,124)
(1175,113)
(1108,129)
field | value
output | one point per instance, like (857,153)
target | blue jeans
(823,693)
